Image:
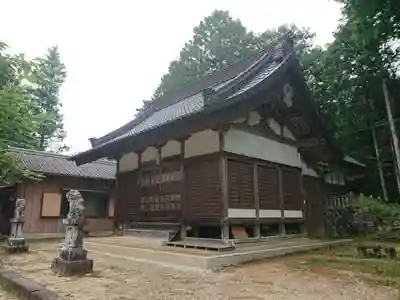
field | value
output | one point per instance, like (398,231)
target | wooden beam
(117,201)
(256,200)
(281,201)
(159,163)
(223,168)
(308,142)
(139,188)
(182,169)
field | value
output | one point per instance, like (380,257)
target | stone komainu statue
(72,257)
(76,207)
(19,208)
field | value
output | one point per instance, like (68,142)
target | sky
(116,51)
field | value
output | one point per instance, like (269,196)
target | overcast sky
(116,51)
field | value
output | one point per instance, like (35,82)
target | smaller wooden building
(46,204)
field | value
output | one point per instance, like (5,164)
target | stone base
(71,267)
(9,249)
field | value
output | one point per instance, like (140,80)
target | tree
(348,84)
(345,79)
(217,42)
(48,75)
(19,120)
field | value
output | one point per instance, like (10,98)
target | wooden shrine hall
(244,147)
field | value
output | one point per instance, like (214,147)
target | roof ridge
(37,152)
(53,155)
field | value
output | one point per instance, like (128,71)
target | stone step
(150,233)
(167,258)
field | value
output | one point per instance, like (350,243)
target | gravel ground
(4,295)
(120,278)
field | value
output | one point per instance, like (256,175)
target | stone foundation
(14,245)
(71,267)
(9,249)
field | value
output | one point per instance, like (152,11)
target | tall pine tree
(49,74)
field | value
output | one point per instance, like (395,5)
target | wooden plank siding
(128,196)
(314,208)
(240,184)
(268,185)
(203,201)
(160,189)
(292,199)
(33,193)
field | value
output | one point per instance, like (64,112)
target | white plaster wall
(171,148)
(270,213)
(274,125)
(244,143)
(203,142)
(293,214)
(288,134)
(241,213)
(306,170)
(150,154)
(254,118)
(128,162)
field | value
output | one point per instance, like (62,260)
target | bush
(384,213)
(365,216)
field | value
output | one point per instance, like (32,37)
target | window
(51,203)
(96,204)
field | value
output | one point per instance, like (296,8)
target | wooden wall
(292,198)
(128,197)
(33,193)
(268,186)
(240,184)
(314,209)
(203,200)
(272,195)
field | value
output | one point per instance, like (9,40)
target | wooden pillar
(223,168)
(183,232)
(159,163)
(303,201)
(256,225)
(117,200)
(281,201)
(139,188)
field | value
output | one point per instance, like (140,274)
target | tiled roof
(58,164)
(215,80)
(220,88)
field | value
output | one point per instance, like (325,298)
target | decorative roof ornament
(288,95)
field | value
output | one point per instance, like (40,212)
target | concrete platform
(203,244)
(152,251)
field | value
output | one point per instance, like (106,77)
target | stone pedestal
(71,267)
(16,242)
(72,257)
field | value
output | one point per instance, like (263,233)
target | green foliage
(219,41)
(345,78)
(26,88)
(48,75)
(387,271)
(384,213)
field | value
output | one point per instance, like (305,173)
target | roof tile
(58,164)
